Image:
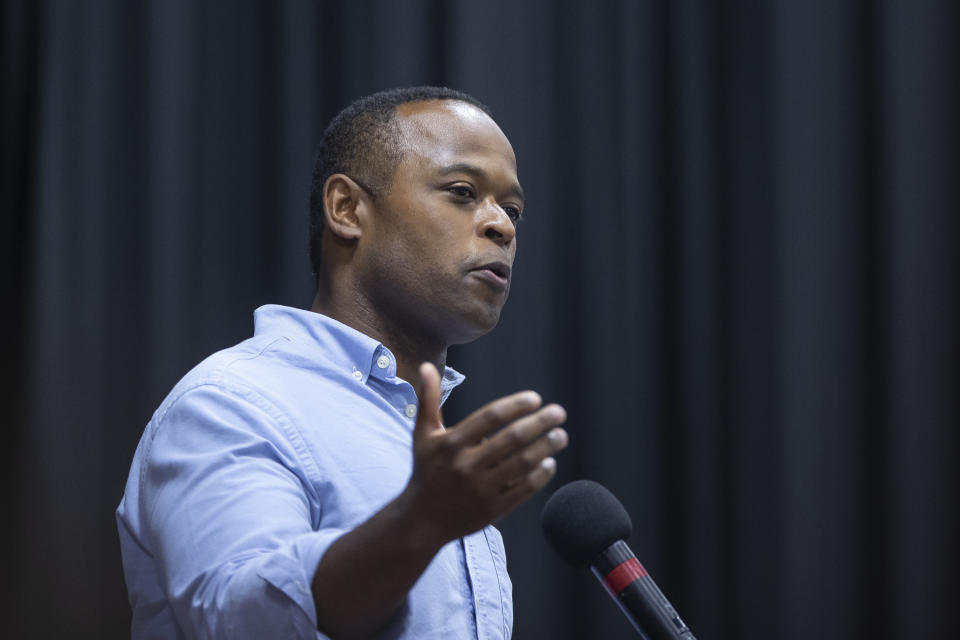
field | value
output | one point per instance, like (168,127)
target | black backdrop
(738,273)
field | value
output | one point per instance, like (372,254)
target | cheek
(430,244)
(440,247)
(413,260)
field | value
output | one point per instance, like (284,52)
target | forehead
(445,132)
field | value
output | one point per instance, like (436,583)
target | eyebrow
(464,167)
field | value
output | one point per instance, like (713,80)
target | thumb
(428,416)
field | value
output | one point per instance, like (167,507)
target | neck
(409,348)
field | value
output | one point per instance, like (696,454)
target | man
(297,485)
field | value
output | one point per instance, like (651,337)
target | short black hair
(363,142)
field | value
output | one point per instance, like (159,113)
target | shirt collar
(339,345)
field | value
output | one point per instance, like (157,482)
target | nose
(495,224)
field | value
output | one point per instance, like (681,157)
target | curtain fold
(738,273)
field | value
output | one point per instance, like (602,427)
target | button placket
(475,578)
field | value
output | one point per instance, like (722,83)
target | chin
(477,325)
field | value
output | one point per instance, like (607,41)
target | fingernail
(548,464)
(558,436)
(558,412)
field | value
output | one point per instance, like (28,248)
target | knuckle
(530,459)
(436,449)
(461,469)
(445,446)
(513,437)
(491,414)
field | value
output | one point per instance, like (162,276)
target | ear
(344,206)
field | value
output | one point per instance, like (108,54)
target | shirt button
(358,374)
(383,362)
(411,410)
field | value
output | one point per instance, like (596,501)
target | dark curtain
(738,273)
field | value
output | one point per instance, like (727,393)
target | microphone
(586,524)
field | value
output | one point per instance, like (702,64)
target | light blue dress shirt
(256,462)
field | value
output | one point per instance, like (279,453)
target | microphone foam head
(581,519)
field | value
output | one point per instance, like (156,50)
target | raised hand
(467,476)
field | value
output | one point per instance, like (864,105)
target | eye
(512,212)
(462,191)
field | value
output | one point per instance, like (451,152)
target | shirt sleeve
(231,517)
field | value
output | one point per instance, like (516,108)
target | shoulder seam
(257,354)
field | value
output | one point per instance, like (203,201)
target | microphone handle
(637,595)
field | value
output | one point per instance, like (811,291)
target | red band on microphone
(623,574)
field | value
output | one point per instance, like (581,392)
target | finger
(531,483)
(428,413)
(523,462)
(493,416)
(518,435)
